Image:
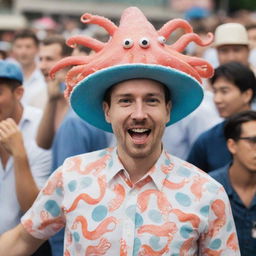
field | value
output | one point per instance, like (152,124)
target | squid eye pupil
(127,42)
(144,42)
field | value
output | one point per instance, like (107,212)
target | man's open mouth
(139,135)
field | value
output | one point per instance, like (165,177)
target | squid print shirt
(175,209)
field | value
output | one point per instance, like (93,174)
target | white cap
(231,33)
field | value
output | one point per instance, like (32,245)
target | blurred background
(63,16)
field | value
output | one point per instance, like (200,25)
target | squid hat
(134,50)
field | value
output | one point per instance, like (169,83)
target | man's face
(228,98)
(9,101)
(244,151)
(227,53)
(49,55)
(138,114)
(25,51)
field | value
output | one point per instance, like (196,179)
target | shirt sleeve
(220,237)
(40,161)
(46,216)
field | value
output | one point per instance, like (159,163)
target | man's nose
(139,111)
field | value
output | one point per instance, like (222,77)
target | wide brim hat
(86,98)
(135,50)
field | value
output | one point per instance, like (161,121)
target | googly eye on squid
(161,39)
(144,42)
(127,43)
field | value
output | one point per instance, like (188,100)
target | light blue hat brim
(87,97)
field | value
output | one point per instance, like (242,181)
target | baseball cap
(10,70)
(231,34)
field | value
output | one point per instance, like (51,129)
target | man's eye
(152,100)
(124,101)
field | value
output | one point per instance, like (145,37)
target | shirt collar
(226,181)
(158,172)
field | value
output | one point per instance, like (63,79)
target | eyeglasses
(251,140)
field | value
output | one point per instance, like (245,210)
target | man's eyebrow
(146,95)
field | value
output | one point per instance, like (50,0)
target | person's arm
(18,242)
(46,129)
(219,236)
(12,141)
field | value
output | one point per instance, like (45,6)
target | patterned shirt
(175,209)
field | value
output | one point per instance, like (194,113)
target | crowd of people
(39,130)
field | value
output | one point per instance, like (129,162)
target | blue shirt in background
(209,152)
(245,218)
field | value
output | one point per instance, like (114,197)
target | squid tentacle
(86,41)
(107,24)
(178,62)
(71,78)
(69,61)
(203,68)
(172,25)
(184,40)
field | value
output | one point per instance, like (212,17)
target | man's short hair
(238,74)
(58,39)
(233,125)
(26,33)
(107,95)
(11,83)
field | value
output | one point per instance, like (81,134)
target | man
(234,88)
(134,199)
(232,44)
(24,166)
(25,51)
(239,177)
(52,49)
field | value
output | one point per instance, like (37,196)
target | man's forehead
(232,46)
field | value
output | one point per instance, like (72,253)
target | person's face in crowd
(49,55)
(138,113)
(252,37)
(227,53)
(244,150)
(228,98)
(25,51)
(9,101)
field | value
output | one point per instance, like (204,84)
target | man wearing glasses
(239,177)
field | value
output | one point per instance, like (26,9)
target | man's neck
(242,177)
(28,70)
(244,182)
(138,167)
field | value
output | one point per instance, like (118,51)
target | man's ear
(19,91)
(168,109)
(231,145)
(106,109)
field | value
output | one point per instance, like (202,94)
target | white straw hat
(231,33)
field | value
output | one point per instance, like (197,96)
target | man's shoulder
(191,172)
(220,173)
(212,133)
(89,157)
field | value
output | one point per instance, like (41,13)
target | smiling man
(239,177)
(135,198)
(234,88)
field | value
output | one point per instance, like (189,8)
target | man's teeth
(139,130)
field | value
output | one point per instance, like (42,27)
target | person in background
(234,88)
(238,177)
(25,51)
(232,44)
(52,49)
(24,166)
